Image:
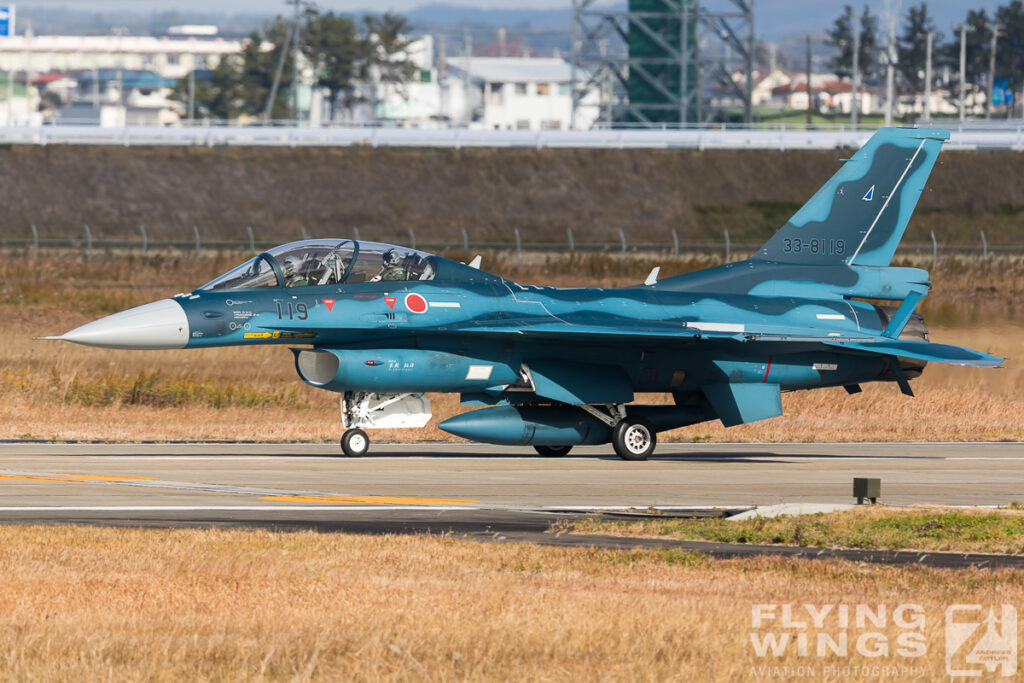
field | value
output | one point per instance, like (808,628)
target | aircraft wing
(604,331)
(694,332)
(638,331)
(646,331)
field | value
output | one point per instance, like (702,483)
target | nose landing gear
(378,411)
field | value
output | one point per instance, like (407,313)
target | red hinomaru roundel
(415,303)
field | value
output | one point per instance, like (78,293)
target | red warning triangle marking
(390,301)
(329,303)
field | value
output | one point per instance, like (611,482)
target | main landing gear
(633,438)
(553,451)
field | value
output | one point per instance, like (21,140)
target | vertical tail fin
(859,216)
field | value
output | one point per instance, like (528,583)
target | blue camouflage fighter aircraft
(552,367)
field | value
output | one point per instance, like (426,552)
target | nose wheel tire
(553,451)
(355,443)
(634,439)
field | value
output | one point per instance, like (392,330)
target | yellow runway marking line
(69,477)
(367,500)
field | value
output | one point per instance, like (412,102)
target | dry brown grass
(63,392)
(128,604)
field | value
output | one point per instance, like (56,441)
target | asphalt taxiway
(484,491)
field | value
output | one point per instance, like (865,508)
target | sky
(773,17)
(769,8)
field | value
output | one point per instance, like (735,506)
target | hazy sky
(774,18)
(769,8)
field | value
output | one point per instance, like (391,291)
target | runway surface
(480,490)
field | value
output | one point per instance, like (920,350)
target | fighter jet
(382,325)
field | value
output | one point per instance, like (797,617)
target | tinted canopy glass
(314,263)
(257,272)
(388,263)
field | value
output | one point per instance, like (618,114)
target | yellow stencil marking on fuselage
(367,500)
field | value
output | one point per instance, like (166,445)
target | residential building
(19,105)
(118,97)
(828,94)
(514,93)
(167,56)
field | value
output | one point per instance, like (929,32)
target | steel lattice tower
(647,60)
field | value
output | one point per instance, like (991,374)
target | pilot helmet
(392,257)
(290,266)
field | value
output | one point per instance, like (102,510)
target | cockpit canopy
(328,262)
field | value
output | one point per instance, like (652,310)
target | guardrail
(965,137)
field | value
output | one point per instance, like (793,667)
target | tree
(331,43)
(912,48)
(259,66)
(240,84)
(386,55)
(978,44)
(216,92)
(1010,49)
(840,36)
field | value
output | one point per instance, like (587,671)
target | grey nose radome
(159,325)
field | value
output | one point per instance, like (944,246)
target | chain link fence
(87,245)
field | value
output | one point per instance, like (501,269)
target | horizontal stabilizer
(928,351)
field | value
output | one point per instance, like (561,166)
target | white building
(19,106)
(169,57)
(829,93)
(418,99)
(514,93)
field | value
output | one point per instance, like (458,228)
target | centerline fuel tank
(394,371)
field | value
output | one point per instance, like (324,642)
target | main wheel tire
(634,439)
(355,443)
(553,451)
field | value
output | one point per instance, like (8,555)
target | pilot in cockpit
(398,265)
(300,271)
(392,267)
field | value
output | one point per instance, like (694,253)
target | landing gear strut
(378,411)
(633,438)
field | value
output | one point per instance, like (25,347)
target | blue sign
(6,21)
(1002,94)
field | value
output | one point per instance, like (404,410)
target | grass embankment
(489,192)
(84,603)
(60,391)
(870,528)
